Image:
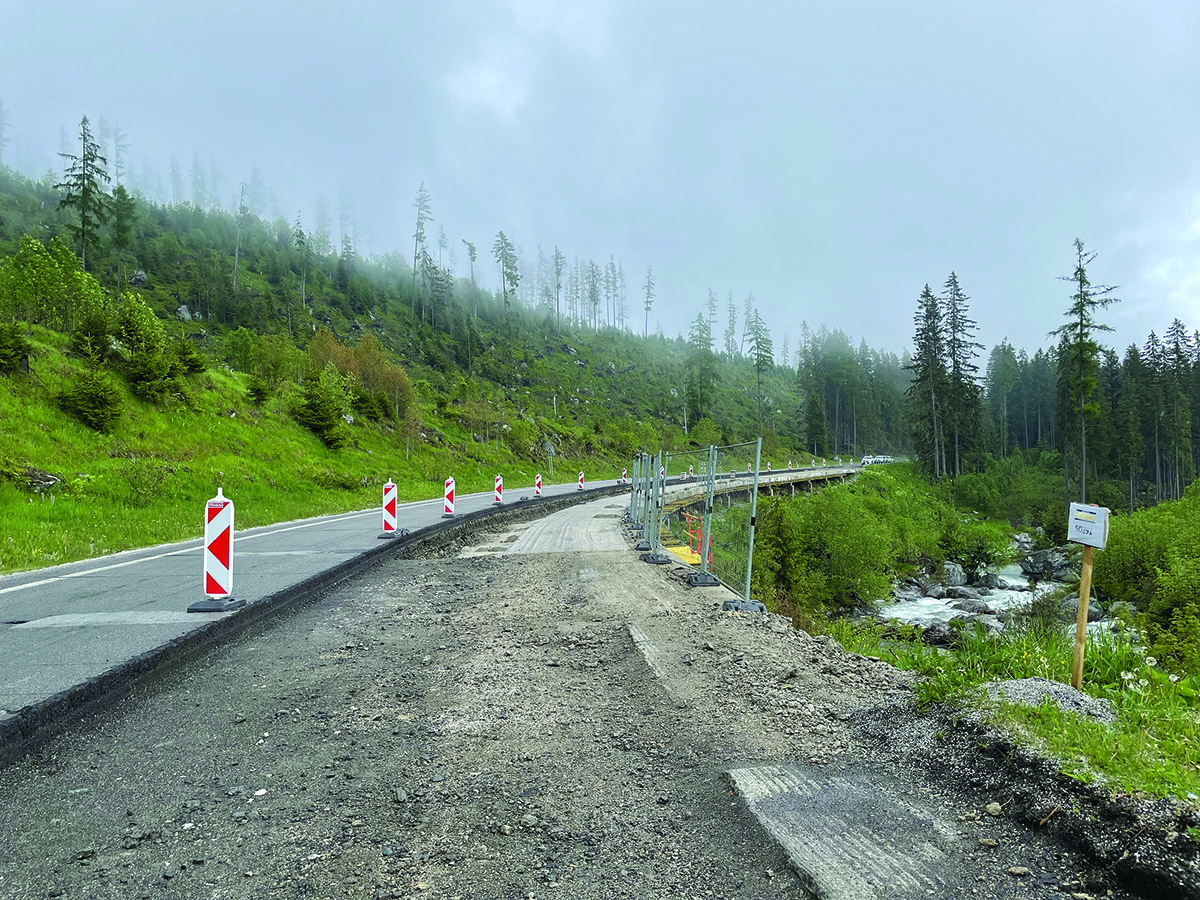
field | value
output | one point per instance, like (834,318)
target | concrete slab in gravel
(848,836)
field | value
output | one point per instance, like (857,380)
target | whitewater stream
(928,611)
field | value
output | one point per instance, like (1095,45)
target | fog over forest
(829,161)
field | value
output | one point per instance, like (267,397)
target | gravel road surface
(507,722)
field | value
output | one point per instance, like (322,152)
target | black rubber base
(447,515)
(658,559)
(216,604)
(642,545)
(703,579)
(387,536)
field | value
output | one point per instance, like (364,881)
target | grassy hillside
(146,481)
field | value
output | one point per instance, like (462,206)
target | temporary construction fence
(646,505)
(712,512)
(732,514)
(684,527)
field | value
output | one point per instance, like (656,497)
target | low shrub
(14,347)
(93,398)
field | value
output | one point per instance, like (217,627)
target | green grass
(146,483)
(1153,749)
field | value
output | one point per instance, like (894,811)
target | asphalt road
(61,626)
(67,631)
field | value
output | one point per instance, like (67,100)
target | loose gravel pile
(495,727)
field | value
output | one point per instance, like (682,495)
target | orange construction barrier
(695,530)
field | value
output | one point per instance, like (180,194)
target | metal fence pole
(709,493)
(753,516)
(647,486)
(662,493)
(633,485)
(655,504)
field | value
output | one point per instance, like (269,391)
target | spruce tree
(649,289)
(963,401)
(762,352)
(123,209)
(926,395)
(4,123)
(1080,355)
(83,185)
(421,203)
(560,263)
(701,368)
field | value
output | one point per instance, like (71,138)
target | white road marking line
(240,537)
(248,537)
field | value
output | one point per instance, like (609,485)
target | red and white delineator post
(537,485)
(389,511)
(448,508)
(218,557)
(768,465)
(499,490)
(625,476)
(691,471)
(580,488)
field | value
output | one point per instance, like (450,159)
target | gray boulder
(1122,608)
(1048,565)
(1023,541)
(991,624)
(1070,608)
(988,580)
(955,576)
(939,635)
(974,606)
(936,591)
(962,593)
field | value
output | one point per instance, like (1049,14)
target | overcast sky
(828,157)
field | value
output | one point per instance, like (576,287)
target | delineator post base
(703,579)
(216,604)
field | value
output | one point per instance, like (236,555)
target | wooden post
(1085,589)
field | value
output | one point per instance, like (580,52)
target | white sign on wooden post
(1088,525)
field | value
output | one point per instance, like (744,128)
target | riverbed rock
(990,623)
(1048,565)
(904,595)
(978,607)
(955,575)
(1122,609)
(1070,608)
(961,592)
(988,580)
(939,635)
(936,591)
(1023,542)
